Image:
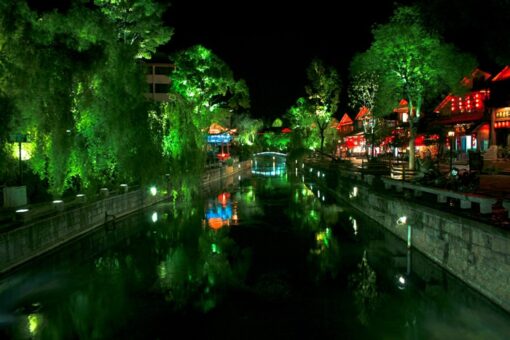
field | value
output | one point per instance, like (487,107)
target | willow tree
(413,62)
(203,92)
(323,92)
(77,88)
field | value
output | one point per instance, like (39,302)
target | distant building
(500,108)
(158,79)
(481,117)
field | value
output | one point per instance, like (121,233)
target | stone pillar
(15,196)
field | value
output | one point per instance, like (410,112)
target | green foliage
(413,62)
(207,83)
(277,123)
(275,141)
(363,88)
(311,117)
(323,93)
(302,120)
(247,129)
(78,90)
(203,92)
(137,23)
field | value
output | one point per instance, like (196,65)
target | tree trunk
(412,153)
(373,141)
(322,138)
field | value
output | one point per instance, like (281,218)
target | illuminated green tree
(247,129)
(364,92)
(302,122)
(203,92)
(323,93)
(207,83)
(137,23)
(412,62)
(277,123)
(78,90)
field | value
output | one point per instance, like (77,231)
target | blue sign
(221,138)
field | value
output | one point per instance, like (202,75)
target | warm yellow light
(451,133)
(26,151)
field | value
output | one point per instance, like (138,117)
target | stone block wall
(477,253)
(23,243)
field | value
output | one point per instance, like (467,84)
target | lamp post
(451,135)
(403,221)
(19,138)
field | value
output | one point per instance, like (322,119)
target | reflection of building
(219,212)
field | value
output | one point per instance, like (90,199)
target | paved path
(494,185)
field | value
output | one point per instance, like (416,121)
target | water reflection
(294,266)
(219,211)
(364,285)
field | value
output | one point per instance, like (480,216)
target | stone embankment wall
(37,237)
(40,236)
(477,253)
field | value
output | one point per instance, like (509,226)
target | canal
(263,255)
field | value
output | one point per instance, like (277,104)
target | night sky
(270,45)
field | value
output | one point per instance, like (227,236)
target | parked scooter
(467,181)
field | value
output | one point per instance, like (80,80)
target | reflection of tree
(248,205)
(365,290)
(196,270)
(325,255)
(304,210)
(96,308)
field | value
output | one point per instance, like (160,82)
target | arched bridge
(269,163)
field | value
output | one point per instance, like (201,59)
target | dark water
(266,259)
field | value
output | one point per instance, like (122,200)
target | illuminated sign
(219,139)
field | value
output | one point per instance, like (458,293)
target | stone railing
(442,195)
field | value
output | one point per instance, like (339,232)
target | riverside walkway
(494,184)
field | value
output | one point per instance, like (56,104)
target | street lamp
(451,135)
(403,221)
